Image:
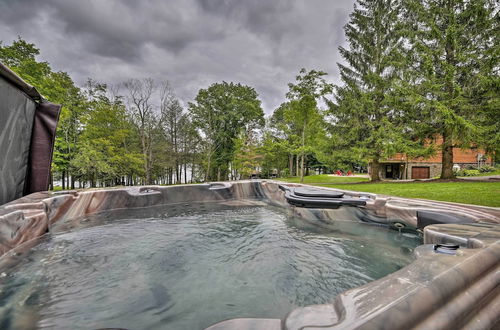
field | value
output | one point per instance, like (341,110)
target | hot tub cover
(27,132)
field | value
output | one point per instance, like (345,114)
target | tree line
(414,72)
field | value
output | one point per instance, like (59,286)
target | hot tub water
(155,269)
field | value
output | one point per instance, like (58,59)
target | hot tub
(246,255)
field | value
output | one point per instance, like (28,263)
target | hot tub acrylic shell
(436,291)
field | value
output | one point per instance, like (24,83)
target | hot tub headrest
(425,218)
(312,192)
(319,198)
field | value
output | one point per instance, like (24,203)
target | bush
(285,173)
(468,172)
(486,169)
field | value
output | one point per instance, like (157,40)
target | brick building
(399,167)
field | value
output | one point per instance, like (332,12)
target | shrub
(486,169)
(469,172)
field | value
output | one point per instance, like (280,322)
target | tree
(172,117)
(246,159)
(284,134)
(220,113)
(106,153)
(75,106)
(145,118)
(367,114)
(302,109)
(20,57)
(57,87)
(453,87)
(189,147)
(276,155)
(102,141)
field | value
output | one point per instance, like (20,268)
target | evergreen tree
(453,84)
(367,113)
(246,159)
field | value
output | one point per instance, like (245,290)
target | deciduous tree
(303,110)
(220,113)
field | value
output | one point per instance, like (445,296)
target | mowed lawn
(479,193)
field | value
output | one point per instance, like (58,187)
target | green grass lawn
(324,179)
(479,193)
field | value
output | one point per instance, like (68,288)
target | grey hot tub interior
(440,289)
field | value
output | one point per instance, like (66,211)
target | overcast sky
(191,43)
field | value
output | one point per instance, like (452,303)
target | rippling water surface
(159,269)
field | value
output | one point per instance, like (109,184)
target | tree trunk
(375,169)
(63,181)
(302,168)
(185,173)
(447,157)
(150,164)
(296,165)
(447,147)
(177,172)
(51,181)
(144,154)
(302,153)
(290,164)
(207,174)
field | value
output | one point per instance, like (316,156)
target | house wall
(406,169)
(434,168)
(460,156)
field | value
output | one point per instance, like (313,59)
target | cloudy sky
(191,43)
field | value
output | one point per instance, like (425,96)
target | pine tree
(367,112)
(454,51)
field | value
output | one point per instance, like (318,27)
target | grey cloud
(125,28)
(192,43)
(260,16)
